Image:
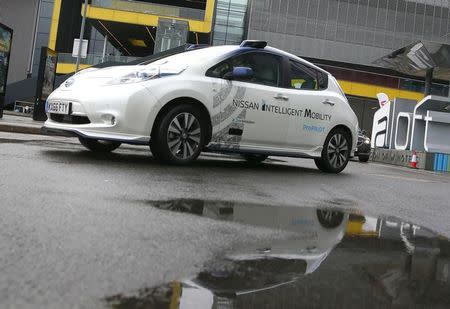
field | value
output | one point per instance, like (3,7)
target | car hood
(116,71)
(94,77)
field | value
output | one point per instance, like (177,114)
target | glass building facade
(230,25)
(351,35)
(42,31)
(96,40)
(96,44)
(353,31)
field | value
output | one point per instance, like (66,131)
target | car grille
(70,119)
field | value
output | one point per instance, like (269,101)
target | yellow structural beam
(136,18)
(370,91)
(204,26)
(54,25)
(67,68)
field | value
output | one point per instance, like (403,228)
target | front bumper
(119,113)
(71,132)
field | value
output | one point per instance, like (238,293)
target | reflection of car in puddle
(333,260)
(316,231)
(266,264)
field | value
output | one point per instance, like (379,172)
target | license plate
(58,107)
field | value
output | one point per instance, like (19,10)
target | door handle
(281,97)
(328,102)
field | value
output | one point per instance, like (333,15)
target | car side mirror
(239,73)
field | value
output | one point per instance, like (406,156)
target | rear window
(304,77)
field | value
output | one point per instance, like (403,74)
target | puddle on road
(337,260)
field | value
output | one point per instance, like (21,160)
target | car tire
(179,136)
(254,158)
(335,152)
(154,150)
(319,164)
(364,158)
(329,218)
(99,146)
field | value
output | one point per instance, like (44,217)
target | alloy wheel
(184,135)
(330,218)
(337,150)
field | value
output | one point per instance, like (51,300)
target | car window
(307,78)
(322,78)
(266,67)
(219,70)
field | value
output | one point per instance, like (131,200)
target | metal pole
(83,24)
(428,80)
(36,23)
(104,48)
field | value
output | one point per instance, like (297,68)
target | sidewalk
(19,124)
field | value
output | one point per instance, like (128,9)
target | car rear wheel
(363,158)
(335,152)
(179,136)
(99,146)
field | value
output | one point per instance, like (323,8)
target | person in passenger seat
(266,76)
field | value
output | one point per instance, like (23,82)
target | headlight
(134,77)
(367,140)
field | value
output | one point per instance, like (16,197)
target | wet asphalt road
(76,227)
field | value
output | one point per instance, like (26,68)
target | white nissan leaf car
(251,99)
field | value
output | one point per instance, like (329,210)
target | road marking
(404,178)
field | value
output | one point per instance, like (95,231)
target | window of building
(229,25)
(42,32)
(419,86)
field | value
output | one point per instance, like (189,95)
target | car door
(307,93)
(252,110)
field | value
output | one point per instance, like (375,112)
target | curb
(11,113)
(14,128)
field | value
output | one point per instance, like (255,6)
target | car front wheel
(330,219)
(99,146)
(179,136)
(335,152)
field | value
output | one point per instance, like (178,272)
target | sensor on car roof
(254,44)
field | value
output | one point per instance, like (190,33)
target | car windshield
(193,57)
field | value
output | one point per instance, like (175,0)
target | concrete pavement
(16,123)
(77,227)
